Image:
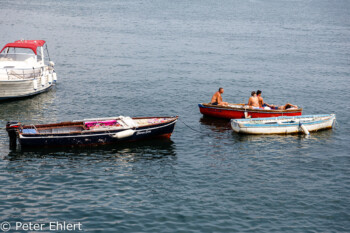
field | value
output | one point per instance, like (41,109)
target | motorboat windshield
(22,50)
(18,54)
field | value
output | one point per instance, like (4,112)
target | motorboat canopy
(28,44)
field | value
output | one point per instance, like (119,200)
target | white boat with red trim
(24,70)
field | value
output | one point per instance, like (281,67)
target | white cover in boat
(129,122)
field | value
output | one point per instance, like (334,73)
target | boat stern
(12,130)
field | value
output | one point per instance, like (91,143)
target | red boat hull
(232,113)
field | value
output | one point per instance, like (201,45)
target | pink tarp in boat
(90,124)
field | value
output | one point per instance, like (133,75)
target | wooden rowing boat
(283,124)
(95,131)
(233,111)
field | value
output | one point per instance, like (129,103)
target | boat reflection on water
(216,124)
(29,109)
(127,160)
(147,149)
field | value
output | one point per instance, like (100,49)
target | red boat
(243,111)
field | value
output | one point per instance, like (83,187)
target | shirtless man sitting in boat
(262,104)
(217,98)
(253,101)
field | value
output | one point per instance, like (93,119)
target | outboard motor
(11,128)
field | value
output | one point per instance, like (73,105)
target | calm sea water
(146,58)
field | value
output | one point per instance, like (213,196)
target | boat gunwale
(281,133)
(284,125)
(284,118)
(85,131)
(315,119)
(247,109)
(91,133)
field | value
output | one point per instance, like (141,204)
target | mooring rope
(193,128)
(190,126)
(335,123)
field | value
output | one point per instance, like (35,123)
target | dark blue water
(146,58)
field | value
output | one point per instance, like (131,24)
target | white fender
(35,84)
(304,129)
(54,76)
(43,79)
(124,134)
(49,78)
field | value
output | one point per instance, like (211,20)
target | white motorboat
(24,70)
(283,124)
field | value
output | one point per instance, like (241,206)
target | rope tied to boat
(246,113)
(193,128)
(335,123)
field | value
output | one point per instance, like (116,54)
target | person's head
(221,90)
(258,92)
(288,106)
(253,93)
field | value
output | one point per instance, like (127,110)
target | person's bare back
(262,104)
(216,98)
(260,101)
(253,100)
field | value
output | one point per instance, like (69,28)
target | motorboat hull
(21,89)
